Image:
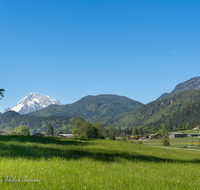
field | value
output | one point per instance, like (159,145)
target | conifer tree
(140,132)
(49,131)
(134,131)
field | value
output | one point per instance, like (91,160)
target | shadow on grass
(32,151)
(45,140)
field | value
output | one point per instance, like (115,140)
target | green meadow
(186,143)
(56,163)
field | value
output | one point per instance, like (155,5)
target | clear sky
(72,48)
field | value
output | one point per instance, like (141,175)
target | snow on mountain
(33,102)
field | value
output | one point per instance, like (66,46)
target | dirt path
(174,148)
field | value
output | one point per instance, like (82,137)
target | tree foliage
(140,132)
(111,130)
(22,130)
(49,131)
(134,131)
(36,124)
(85,129)
(1,93)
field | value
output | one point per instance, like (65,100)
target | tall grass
(99,164)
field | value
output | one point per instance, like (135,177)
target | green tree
(183,125)
(154,129)
(111,130)
(60,132)
(22,130)
(78,122)
(140,132)
(166,142)
(100,126)
(134,131)
(123,136)
(1,93)
(89,130)
(85,129)
(187,126)
(49,131)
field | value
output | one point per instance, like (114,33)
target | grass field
(97,164)
(187,143)
(189,131)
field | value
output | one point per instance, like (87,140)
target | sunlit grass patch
(99,164)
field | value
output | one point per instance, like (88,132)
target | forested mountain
(188,114)
(153,111)
(193,83)
(92,108)
(36,124)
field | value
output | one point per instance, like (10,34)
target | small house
(4,133)
(38,135)
(197,127)
(66,135)
(193,134)
(177,135)
(153,136)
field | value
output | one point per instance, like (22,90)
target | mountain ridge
(93,108)
(154,110)
(193,83)
(33,102)
(187,114)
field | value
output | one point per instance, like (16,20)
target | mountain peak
(33,102)
(193,83)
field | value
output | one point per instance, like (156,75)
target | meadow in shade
(60,163)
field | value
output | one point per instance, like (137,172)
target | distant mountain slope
(193,83)
(154,110)
(36,124)
(93,108)
(190,113)
(33,102)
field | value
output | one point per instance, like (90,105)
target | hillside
(193,83)
(92,108)
(153,111)
(36,124)
(189,113)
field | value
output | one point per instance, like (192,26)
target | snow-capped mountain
(33,102)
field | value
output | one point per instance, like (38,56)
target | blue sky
(70,49)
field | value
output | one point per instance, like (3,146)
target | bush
(128,137)
(101,137)
(112,137)
(166,142)
(81,137)
(139,142)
